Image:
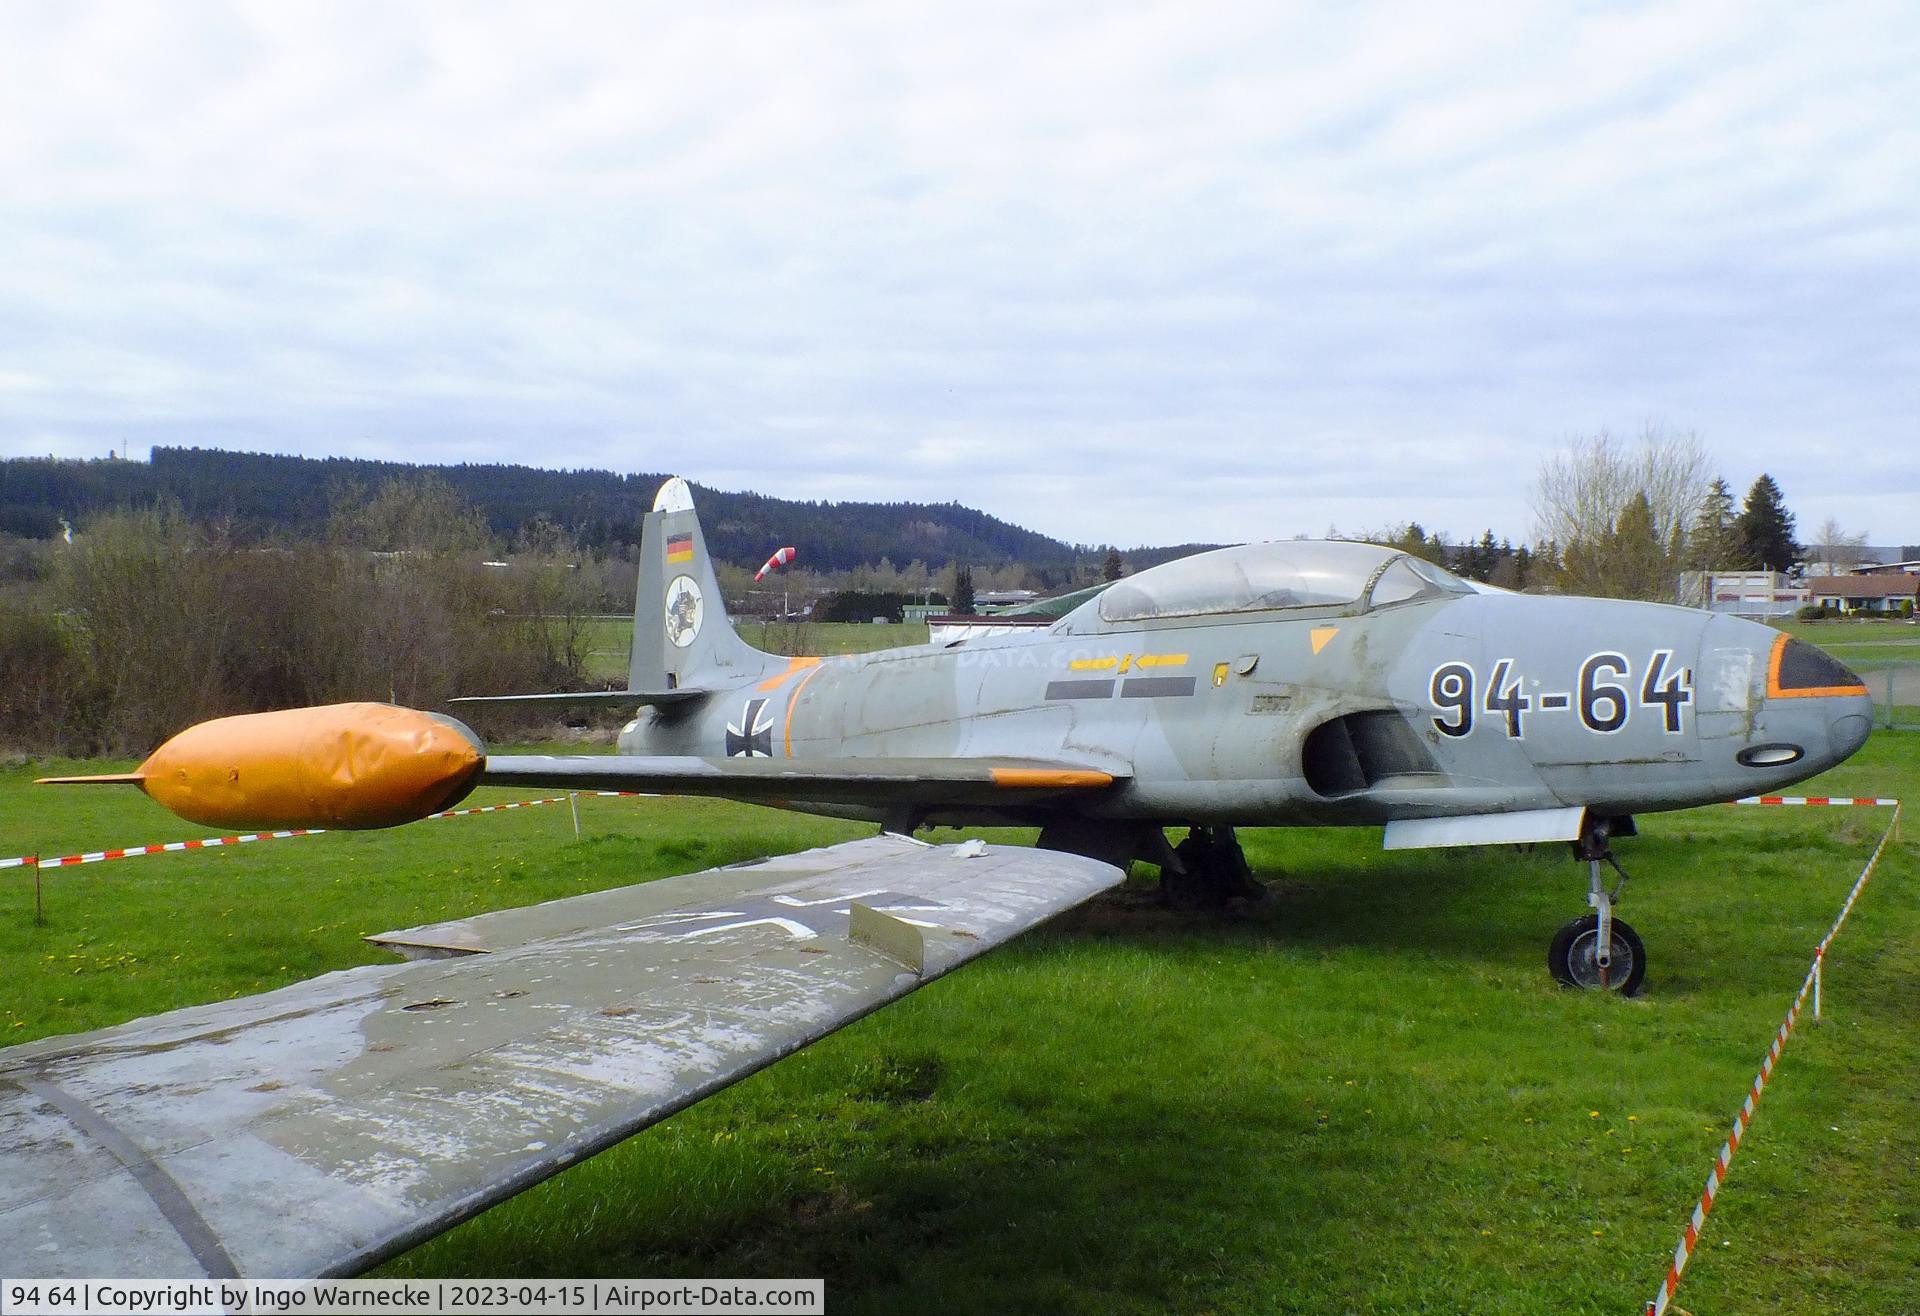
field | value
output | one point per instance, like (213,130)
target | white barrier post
(1819,957)
(573,802)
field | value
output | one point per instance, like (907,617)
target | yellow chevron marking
(1320,635)
(1127,661)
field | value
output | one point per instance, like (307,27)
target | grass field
(1364,1095)
(1866,641)
(610,640)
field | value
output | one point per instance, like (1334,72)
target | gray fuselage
(1465,703)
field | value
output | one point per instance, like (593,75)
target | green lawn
(610,640)
(1861,641)
(1363,1096)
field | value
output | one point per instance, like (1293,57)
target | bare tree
(1584,491)
(1833,550)
(149,595)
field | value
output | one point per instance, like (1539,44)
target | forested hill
(260,494)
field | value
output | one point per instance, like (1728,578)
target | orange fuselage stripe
(793,701)
(778,679)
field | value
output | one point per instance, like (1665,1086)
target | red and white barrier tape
(1742,1121)
(214,842)
(1859,801)
(494,808)
(135,851)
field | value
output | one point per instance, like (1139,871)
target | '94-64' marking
(1603,695)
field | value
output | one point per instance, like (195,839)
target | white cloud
(1151,274)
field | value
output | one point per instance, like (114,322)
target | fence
(1895,687)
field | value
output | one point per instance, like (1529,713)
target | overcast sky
(1133,274)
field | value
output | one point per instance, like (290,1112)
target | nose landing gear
(1598,951)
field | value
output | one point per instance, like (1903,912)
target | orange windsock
(341,765)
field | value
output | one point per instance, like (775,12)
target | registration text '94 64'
(1604,695)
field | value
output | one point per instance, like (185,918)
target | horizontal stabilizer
(318,1129)
(1517,828)
(619,698)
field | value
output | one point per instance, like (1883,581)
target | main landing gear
(1599,951)
(1211,869)
(1207,868)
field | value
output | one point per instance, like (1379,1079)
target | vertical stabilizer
(681,635)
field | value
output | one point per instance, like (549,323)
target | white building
(1744,593)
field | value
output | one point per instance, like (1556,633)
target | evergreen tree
(1639,562)
(1486,556)
(1766,528)
(963,591)
(1713,544)
(1112,568)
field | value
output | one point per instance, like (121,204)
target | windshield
(1299,573)
(1412,578)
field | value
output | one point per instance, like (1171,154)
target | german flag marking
(680,548)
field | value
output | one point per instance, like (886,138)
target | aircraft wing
(883,781)
(320,1128)
(616,698)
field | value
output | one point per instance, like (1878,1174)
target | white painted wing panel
(323,1127)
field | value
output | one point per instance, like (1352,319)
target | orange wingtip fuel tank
(339,766)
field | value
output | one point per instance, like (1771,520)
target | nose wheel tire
(1574,962)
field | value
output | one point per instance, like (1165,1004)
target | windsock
(779,559)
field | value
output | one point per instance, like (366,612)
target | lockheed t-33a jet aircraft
(322,1127)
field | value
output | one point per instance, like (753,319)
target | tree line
(404,588)
(259,496)
(151,620)
(1625,520)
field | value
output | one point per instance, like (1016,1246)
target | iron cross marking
(753,737)
(806,916)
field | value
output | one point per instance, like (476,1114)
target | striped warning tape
(1863,801)
(214,842)
(1742,1121)
(495,808)
(134,851)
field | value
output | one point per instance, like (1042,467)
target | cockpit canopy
(1298,573)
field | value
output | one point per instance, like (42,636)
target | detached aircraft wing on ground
(323,1127)
(1315,683)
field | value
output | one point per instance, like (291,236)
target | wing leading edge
(882,781)
(320,1128)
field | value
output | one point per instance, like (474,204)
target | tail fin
(681,636)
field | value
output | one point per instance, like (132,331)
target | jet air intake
(1360,751)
